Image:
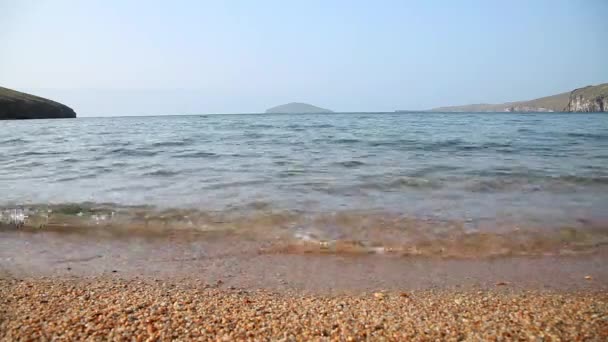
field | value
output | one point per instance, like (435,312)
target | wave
(15,141)
(320,126)
(132,152)
(526,130)
(161,173)
(280,231)
(345,141)
(394,143)
(444,145)
(260,126)
(584,180)
(495,145)
(526,183)
(434,169)
(291,173)
(198,154)
(172,143)
(227,185)
(412,182)
(399,183)
(77,177)
(253,135)
(350,164)
(40,153)
(590,136)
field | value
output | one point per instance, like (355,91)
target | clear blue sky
(160,57)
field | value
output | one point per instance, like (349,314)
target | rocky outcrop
(589,99)
(15,105)
(297,108)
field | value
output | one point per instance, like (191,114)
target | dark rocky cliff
(15,105)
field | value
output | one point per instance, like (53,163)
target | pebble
(379,295)
(140,310)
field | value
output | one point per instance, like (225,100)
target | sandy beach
(106,308)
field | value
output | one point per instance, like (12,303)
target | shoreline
(226,287)
(245,263)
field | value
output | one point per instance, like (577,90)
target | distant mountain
(297,108)
(587,99)
(16,105)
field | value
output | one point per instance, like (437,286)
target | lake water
(476,171)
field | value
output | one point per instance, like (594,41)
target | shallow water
(479,172)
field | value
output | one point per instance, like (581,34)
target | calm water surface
(518,168)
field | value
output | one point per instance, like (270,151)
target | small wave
(345,141)
(132,153)
(420,173)
(401,183)
(532,182)
(161,173)
(253,135)
(260,126)
(351,163)
(525,130)
(590,136)
(199,154)
(134,188)
(418,238)
(394,143)
(172,143)
(584,180)
(411,182)
(16,141)
(32,164)
(499,184)
(38,153)
(78,177)
(443,144)
(320,126)
(102,169)
(507,172)
(234,184)
(495,145)
(361,232)
(290,173)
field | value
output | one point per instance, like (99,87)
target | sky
(117,57)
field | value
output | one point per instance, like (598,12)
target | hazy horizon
(139,58)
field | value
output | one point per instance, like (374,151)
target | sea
(492,183)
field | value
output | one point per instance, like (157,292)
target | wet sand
(72,286)
(244,263)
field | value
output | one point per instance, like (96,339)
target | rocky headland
(15,105)
(587,99)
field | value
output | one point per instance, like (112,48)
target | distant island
(587,99)
(297,108)
(15,105)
